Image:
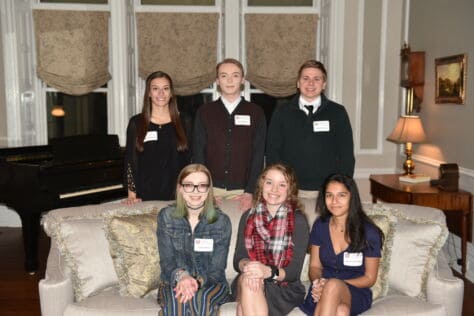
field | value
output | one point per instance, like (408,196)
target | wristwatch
(275,274)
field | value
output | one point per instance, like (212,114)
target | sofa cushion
(386,222)
(83,244)
(396,305)
(415,249)
(134,250)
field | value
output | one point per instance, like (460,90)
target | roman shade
(72,49)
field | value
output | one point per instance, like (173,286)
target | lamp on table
(408,130)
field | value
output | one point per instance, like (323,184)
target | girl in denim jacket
(193,242)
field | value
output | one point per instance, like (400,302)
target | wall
(445,30)
(371,91)
(3,115)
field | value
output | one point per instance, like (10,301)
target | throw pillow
(415,249)
(83,244)
(386,222)
(134,250)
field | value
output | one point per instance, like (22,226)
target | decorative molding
(10,62)
(335,42)
(117,94)
(382,76)
(381,84)
(359,76)
(364,173)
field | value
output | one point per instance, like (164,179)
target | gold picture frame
(450,80)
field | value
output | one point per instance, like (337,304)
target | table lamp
(408,131)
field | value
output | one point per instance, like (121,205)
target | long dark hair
(146,114)
(355,224)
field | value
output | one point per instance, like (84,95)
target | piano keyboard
(90,191)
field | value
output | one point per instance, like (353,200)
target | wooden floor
(19,290)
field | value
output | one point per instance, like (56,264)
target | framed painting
(450,81)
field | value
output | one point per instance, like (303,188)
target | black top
(315,146)
(152,173)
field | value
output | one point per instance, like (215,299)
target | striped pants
(205,302)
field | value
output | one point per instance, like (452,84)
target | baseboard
(8,217)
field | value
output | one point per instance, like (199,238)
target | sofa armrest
(55,290)
(444,288)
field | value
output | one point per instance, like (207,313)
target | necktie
(309,108)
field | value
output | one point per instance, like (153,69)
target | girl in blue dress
(345,252)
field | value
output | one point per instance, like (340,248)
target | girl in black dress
(157,147)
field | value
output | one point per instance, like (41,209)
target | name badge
(320,126)
(242,120)
(151,136)
(203,245)
(353,259)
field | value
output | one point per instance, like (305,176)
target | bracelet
(179,275)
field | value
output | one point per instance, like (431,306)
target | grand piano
(69,171)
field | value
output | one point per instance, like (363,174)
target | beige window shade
(184,45)
(277,45)
(72,49)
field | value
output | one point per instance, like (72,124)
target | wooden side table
(388,188)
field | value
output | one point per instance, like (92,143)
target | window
(278,3)
(76,1)
(178,2)
(69,115)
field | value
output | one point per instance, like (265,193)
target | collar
(230,106)
(315,103)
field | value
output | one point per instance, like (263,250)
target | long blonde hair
(181,210)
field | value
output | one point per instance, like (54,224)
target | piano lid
(74,149)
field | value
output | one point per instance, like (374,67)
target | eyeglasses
(190,187)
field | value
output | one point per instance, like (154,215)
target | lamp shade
(408,130)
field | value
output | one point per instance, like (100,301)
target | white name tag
(353,259)
(320,126)
(151,136)
(242,120)
(203,245)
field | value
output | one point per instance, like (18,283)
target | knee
(331,286)
(343,310)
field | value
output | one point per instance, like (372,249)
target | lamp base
(414,178)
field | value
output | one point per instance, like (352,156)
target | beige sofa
(81,280)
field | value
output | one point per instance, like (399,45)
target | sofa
(103,261)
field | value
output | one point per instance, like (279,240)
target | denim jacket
(176,247)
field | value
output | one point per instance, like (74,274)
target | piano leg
(30,221)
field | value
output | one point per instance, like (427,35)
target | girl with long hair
(345,252)
(157,147)
(193,243)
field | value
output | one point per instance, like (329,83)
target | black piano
(69,171)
